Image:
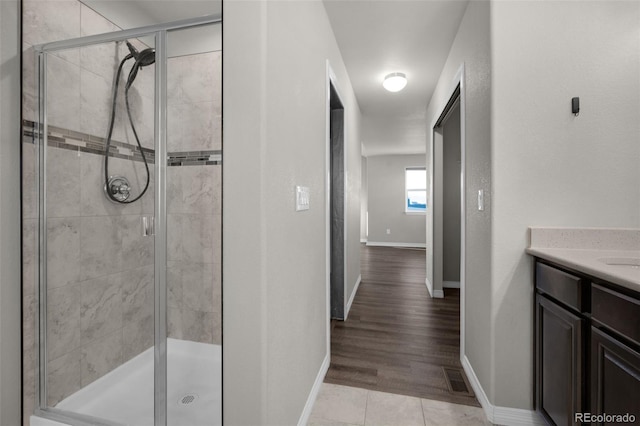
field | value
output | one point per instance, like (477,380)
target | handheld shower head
(144,58)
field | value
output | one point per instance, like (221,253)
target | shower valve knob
(124,189)
(118,187)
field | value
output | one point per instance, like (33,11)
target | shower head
(144,58)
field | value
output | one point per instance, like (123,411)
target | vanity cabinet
(615,352)
(615,376)
(560,345)
(587,347)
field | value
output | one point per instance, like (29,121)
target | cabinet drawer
(616,311)
(562,286)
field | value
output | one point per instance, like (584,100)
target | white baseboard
(363,240)
(435,294)
(353,295)
(311,399)
(450,284)
(495,414)
(430,288)
(384,244)
(516,417)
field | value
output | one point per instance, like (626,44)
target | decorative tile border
(77,141)
(195,158)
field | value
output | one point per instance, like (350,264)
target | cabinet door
(615,377)
(559,362)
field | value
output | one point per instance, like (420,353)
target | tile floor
(338,405)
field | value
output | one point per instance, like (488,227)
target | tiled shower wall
(100,268)
(194,199)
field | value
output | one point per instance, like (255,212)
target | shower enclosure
(129,312)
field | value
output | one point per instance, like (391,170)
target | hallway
(396,338)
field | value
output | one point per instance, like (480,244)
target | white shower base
(125,395)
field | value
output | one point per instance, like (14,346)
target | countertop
(582,249)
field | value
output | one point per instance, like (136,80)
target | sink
(630,262)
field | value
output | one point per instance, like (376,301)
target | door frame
(435,142)
(332,80)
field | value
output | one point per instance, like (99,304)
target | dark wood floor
(396,338)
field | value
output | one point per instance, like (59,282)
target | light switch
(481,200)
(302,198)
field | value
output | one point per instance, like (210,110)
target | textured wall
(551,168)
(364,199)
(299,37)
(194,199)
(9,214)
(353,143)
(386,192)
(275,257)
(542,164)
(471,47)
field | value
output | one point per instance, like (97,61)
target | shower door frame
(160,32)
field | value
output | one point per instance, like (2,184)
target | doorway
(447,184)
(336,203)
(451,198)
(446,233)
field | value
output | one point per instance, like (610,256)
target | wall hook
(575,106)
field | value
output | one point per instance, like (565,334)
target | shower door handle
(148,226)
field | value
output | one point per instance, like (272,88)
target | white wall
(386,201)
(275,297)
(549,167)
(353,171)
(471,47)
(524,61)
(9,213)
(364,199)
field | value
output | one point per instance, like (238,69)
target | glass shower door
(194,200)
(97,206)
(129,172)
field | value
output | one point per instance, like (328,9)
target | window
(415,190)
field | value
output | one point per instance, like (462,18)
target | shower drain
(188,399)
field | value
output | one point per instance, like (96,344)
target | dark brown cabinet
(561,299)
(560,357)
(587,348)
(615,378)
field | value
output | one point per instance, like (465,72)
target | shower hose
(140,60)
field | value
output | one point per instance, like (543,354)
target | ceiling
(141,13)
(380,37)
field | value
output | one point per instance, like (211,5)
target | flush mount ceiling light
(395,81)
